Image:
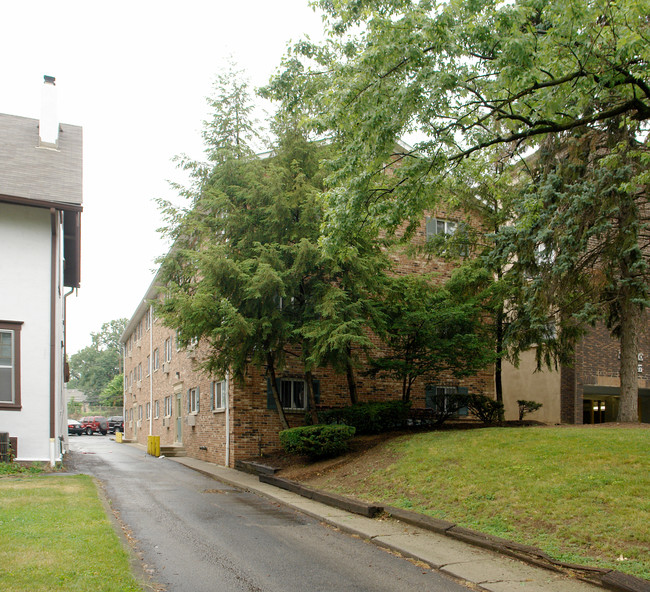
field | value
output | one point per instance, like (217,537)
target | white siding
(25,288)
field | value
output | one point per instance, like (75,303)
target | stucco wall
(524,382)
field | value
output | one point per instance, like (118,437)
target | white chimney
(48,129)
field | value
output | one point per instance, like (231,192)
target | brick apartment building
(218,420)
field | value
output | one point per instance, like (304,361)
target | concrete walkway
(484,569)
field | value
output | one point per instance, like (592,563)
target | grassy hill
(582,494)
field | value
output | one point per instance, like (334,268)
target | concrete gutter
(486,562)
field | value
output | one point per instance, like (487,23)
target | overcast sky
(135,75)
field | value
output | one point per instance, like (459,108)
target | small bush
(487,410)
(369,418)
(317,441)
(526,407)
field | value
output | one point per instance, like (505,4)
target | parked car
(74,427)
(95,425)
(115,424)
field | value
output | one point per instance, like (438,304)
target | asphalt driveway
(196,534)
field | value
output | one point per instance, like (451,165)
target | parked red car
(94,425)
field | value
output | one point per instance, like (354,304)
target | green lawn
(56,536)
(580,494)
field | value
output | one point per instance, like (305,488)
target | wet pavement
(195,533)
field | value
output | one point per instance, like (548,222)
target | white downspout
(150,369)
(227,419)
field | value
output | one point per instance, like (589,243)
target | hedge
(369,418)
(317,441)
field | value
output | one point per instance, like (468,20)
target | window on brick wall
(218,395)
(140,412)
(156,359)
(148,368)
(443,399)
(293,394)
(168,349)
(156,409)
(168,406)
(148,411)
(193,400)
(10,365)
(140,372)
(147,320)
(438,226)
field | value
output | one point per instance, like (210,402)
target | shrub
(369,418)
(487,410)
(526,407)
(317,441)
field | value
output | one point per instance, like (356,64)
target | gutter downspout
(150,369)
(64,410)
(227,419)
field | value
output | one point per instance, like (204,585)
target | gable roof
(38,175)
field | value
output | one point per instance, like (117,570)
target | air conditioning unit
(139,423)
(165,422)
(165,367)
(191,420)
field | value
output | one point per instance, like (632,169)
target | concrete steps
(173,450)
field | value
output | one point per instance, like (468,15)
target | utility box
(5,447)
(153,445)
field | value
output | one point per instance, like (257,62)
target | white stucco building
(40,208)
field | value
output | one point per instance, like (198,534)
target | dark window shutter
(270,401)
(188,401)
(430,396)
(317,391)
(462,390)
(430,227)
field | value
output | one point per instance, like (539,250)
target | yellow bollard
(118,437)
(153,445)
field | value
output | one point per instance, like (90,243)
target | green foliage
(317,441)
(526,407)
(14,468)
(93,367)
(369,418)
(429,330)
(483,82)
(113,394)
(486,409)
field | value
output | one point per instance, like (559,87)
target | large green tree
(94,367)
(429,331)
(472,77)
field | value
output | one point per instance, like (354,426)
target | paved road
(199,534)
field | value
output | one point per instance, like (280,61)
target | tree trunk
(309,379)
(628,409)
(352,384)
(276,395)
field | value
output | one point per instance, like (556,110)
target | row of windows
(218,393)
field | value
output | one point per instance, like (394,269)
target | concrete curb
(611,579)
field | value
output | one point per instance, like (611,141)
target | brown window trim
(14,326)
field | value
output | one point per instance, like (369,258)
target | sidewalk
(484,569)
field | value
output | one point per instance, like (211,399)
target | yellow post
(153,445)
(118,437)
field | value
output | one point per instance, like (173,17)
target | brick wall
(253,427)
